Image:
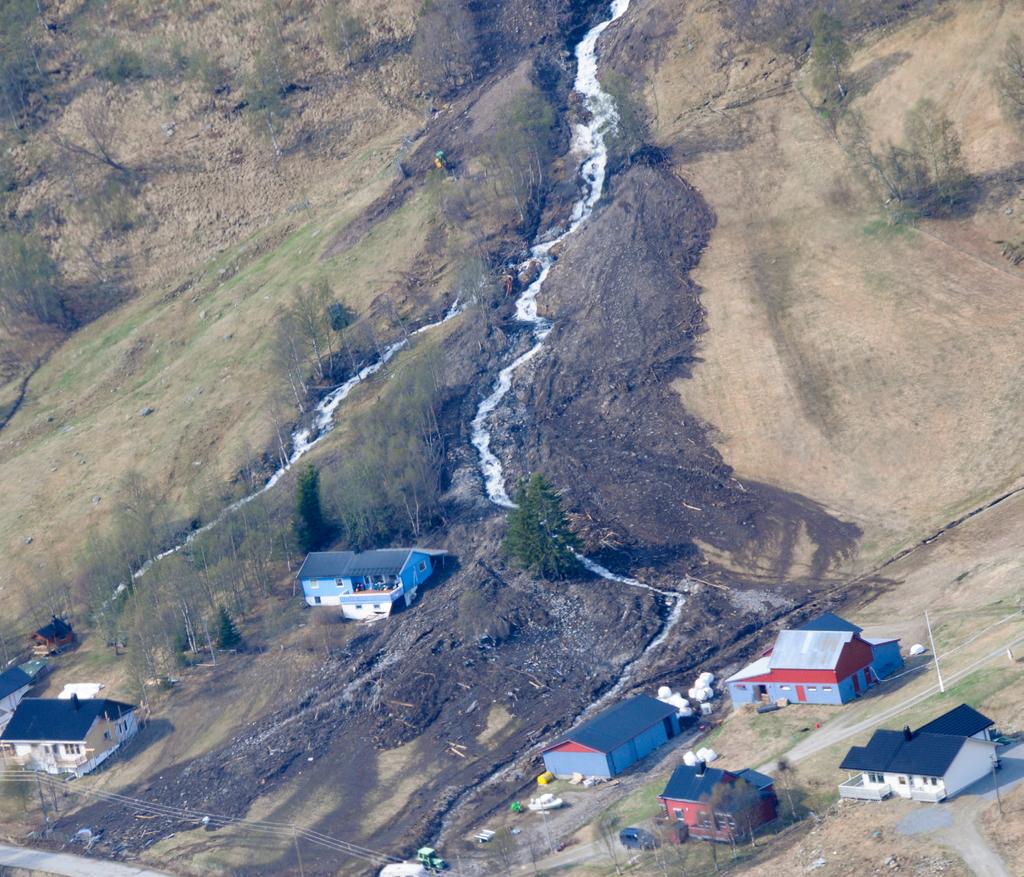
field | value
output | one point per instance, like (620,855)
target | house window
(902,781)
(933,781)
(680,815)
(316,600)
(827,688)
(785,688)
(359,606)
(423,565)
(812,687)
(72,749)
(876,778)
(741,686)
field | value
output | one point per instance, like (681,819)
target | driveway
(68,865)
(955,823)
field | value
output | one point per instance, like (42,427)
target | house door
(801,695)
(856,683)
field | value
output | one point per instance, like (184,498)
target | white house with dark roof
(932,763)
(67,736)
(366,584)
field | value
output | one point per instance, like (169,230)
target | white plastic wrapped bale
(706,678)
(406,869)
(706,755)
(701,694)
(692,693)
(685,712)
(917,649)
(664,693)
(689,759)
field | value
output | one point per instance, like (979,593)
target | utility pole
(547,831)
(935,654)
(42,800)
(298,855)
(995,783)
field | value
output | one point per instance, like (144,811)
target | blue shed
(366,584)
(615,740)
(886,657)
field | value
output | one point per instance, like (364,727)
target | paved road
(68,865)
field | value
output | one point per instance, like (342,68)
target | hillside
(767,383)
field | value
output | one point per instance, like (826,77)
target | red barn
(746,801)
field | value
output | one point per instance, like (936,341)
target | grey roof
(963,721)
(808,649)
(343,564)
(13,679)
(44,719)
(830,621)
(689,784)
(624,721)
(923,754)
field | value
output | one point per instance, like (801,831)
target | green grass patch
(882,229)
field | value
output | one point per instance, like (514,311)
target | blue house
(366,584)
(614,740)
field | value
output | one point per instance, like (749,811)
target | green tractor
(429,859)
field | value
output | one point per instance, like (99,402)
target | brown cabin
(53,637)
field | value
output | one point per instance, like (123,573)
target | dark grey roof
(687,784)
(57,627)
(13,679)
(624,721)
(963,721)
(923,754)
(830,621)
(42,719)
(755,778)
(343,564)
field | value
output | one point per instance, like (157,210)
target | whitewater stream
(588,141)
(306,438)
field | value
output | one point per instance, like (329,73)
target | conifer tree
(228,636)
(311,527)
(539,535)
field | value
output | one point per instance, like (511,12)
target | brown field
(875,370)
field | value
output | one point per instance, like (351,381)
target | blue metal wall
(590,764)
(886,659)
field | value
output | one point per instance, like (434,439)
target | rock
(1009,211)
(168,129)
(529,273)
(145,411)
(28,540)
(96,499)
(817,863)
(202,315)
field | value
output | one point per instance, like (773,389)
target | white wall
(972,762)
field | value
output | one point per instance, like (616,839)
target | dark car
(637,839)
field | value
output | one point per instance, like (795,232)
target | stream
(588,140)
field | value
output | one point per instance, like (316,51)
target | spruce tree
(228,636)
(311,527)
(539,535)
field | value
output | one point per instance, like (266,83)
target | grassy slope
(877,373)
